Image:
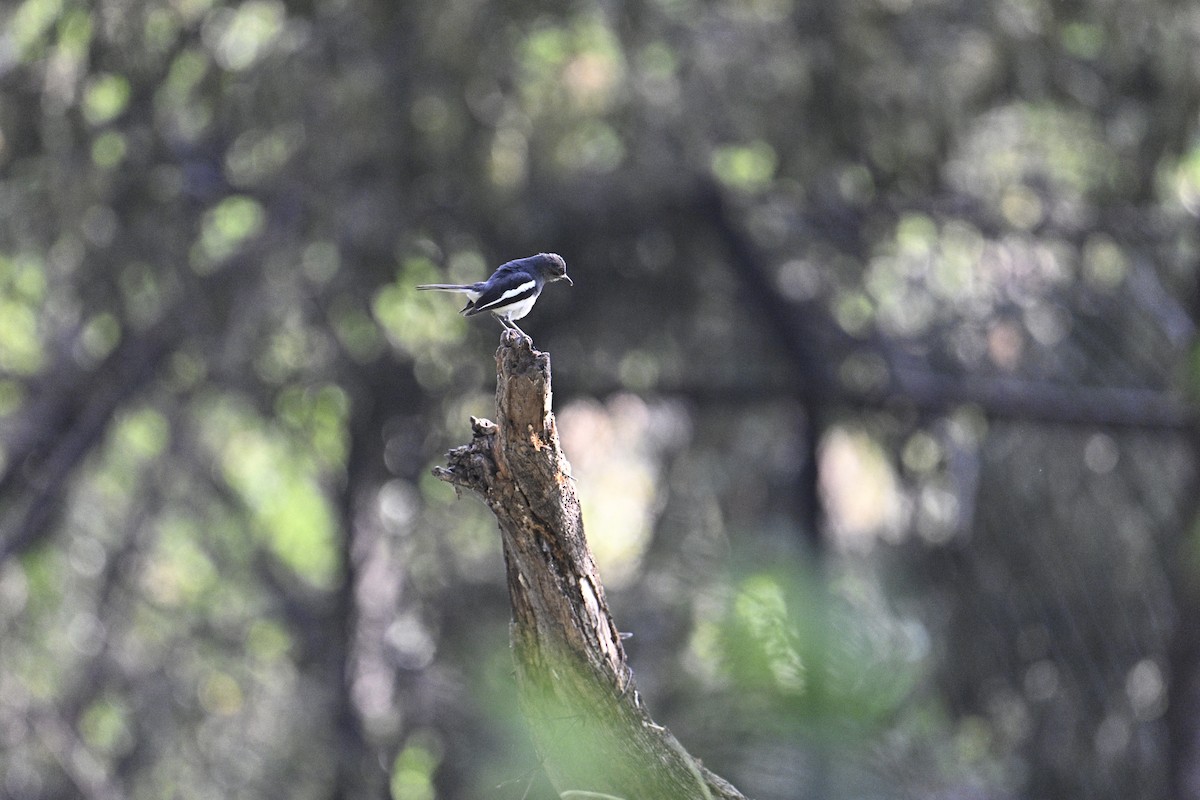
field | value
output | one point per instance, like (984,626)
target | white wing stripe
(524,287)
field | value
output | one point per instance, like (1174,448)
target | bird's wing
(505,287)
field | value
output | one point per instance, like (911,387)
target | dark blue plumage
(511,291)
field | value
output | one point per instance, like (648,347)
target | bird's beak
(567,278)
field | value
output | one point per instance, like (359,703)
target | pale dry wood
(575,687)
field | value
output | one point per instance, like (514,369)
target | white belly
(516,310)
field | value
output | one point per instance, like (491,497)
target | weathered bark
(575,688)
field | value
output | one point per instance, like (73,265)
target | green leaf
(105,97)
(749,167)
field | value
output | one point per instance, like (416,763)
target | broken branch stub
(575,687)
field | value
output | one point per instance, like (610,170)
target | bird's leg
(512,326)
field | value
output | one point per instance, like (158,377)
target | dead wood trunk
(576,691)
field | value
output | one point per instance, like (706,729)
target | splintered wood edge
(525,422)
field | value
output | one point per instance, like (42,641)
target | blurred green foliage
(932,264)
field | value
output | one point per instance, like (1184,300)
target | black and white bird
(512,290)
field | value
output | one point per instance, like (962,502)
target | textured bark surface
(575,688)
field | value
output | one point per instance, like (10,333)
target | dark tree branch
(808,336)
(575,688)
(45,454)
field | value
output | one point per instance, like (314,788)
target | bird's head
(554,267)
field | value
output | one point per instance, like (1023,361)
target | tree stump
(575,688)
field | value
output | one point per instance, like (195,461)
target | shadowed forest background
(878,379)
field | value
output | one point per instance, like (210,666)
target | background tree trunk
(576,689)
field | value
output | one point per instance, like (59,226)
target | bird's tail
(446,287)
